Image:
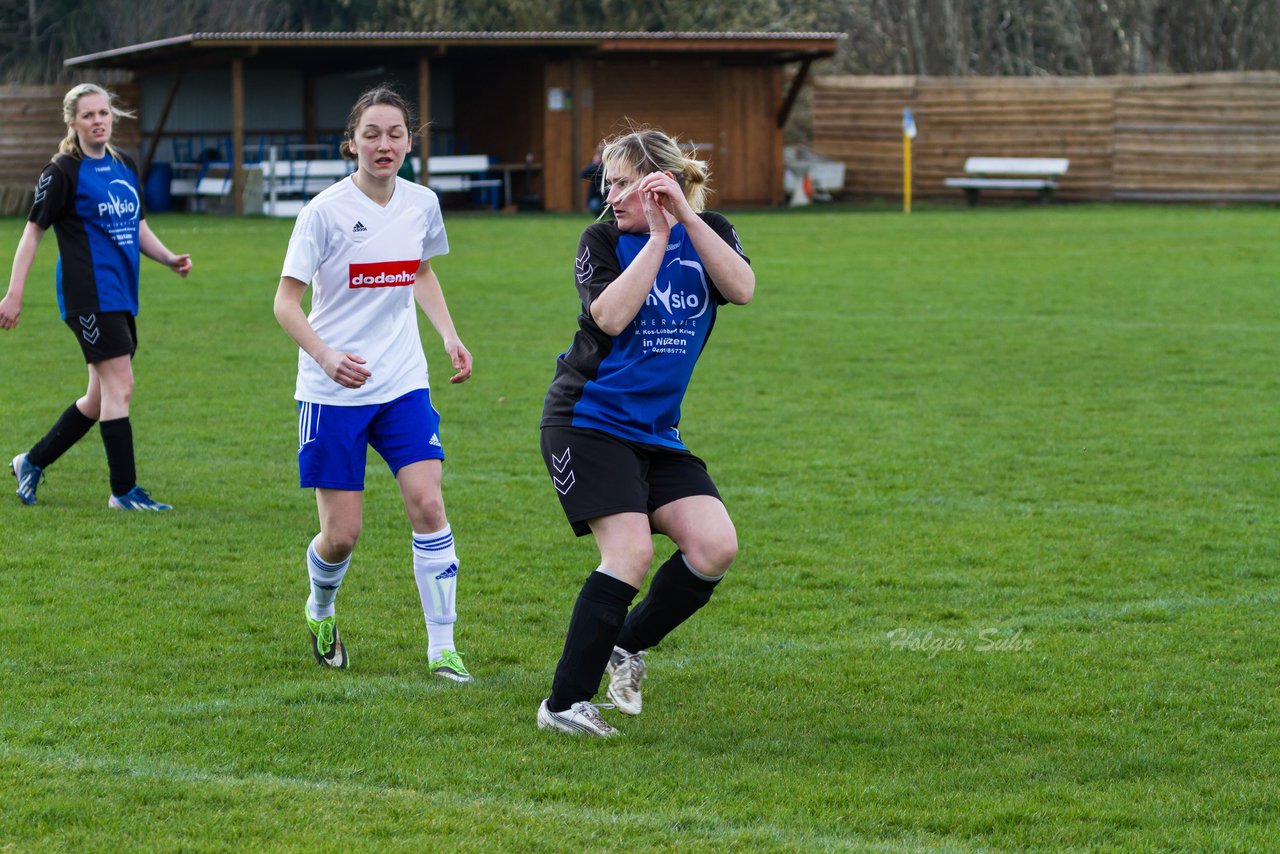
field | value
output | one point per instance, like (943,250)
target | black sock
(117,438)
(65,432)
(597,615)
(674,595)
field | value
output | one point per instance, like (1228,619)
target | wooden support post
(237,136)
(160,123)
(424,117)
(797,83)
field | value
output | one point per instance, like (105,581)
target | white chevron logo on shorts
(561,461)
(89,325)
(563,485)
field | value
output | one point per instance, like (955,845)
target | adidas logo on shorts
(359,226)
(435,439)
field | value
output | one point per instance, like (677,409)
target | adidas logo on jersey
(359,226)
(435,440)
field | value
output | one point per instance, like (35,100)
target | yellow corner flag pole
(908,134)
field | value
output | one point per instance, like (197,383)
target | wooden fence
(30,128)
(1204,137)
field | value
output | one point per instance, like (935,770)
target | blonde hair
(646,150)
(70,102)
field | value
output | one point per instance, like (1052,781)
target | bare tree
(959,37)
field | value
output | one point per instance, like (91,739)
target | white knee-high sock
(326,578)
(435,568)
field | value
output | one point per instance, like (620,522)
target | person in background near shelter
(90,194)
(650,284)
(365,246)
(593,174)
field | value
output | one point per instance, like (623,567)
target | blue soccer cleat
(136,499)
(29,477)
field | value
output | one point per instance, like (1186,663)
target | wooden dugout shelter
(539,97)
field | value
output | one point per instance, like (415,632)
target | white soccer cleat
(625,671)
(582,718)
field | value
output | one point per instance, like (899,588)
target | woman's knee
(114,385)
(337,542)
(712,554)
(120,392)
(629,561)
(90,406)
(426,512)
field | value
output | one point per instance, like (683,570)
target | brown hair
(381,94)
(70,103)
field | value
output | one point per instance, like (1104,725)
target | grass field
(1006,487)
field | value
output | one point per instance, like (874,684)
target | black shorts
(105,334)
(596,474)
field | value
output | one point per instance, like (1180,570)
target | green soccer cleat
(326,644)
(449,666)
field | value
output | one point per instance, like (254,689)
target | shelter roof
(295,46)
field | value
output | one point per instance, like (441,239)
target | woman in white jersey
(365,246)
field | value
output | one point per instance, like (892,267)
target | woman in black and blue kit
(650,285)
(89,194)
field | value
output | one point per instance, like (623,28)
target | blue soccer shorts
(332,439)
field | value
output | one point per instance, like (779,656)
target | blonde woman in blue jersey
(89,194)
(650,285)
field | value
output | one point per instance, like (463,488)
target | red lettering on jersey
(385,274)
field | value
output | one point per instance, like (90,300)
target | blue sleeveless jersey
(95,208)
(631,385)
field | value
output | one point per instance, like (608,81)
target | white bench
(457,173)
(1010,173)
(288,184)
(451,173)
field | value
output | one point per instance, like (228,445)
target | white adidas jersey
(361,260)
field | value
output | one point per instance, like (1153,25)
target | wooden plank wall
(1210,136)
(32,119)
(1202,138)
(728,113)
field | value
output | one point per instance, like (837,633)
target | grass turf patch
(1004,481)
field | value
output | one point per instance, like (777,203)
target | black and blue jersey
(631,385)
(95,208)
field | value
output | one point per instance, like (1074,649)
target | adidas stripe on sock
(326,578)
(435,568)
